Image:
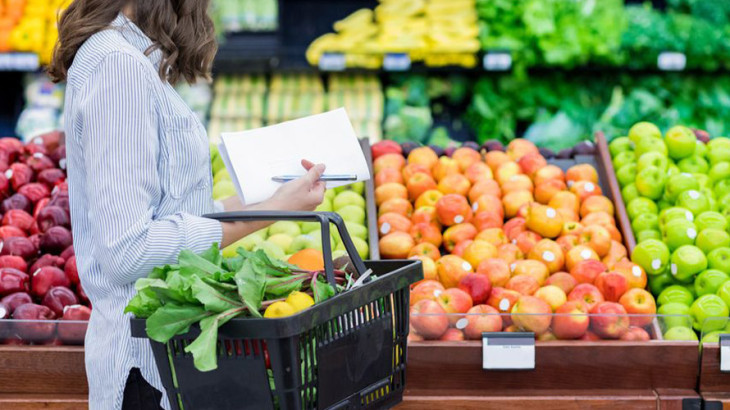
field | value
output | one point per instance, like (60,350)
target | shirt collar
(137,38)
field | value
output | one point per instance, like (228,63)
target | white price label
(19,62)
(672,61)
(397,62)
(497,61)
(332,62)
(725,353)
(508,351)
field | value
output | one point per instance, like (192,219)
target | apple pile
(283,239)
(507,241)
(38,275)
(676,189)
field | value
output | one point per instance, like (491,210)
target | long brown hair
(181,29)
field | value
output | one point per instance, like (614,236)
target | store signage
(19,62)
(725,353)
(508,351)
(497,61)
(397,62)
(672,61)
(332,62)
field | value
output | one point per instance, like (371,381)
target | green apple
(308,227)
(282,240)
(718,155)
(709,281)
(352,213)
(650,182)
(640,206)
(304,241)
(687,261)
(356,230)
(710,198)
(711,219)
(619,145)
(681,142)
(679,232)
(719,171)
(696,201)
(624,158)
(694,165)
(700,149)
(222,175)
(676,294)
(330,194)
(674,314)
(652,159)
(358,187)
(673,213)
(223,190)
(272,250)
(651,145)
(673,170)
(217,164)
(289,228)
(339,253)
(627,174)
(721,188)
(680,333)
(362,247)
(340,189)
(703,180)
(345,198)
(317,236)
(644,222)
(629,193)
(676,184)
(707,307)
(652,255)
(642,236)
(325,206)
(718,142)
(659,282)
(642,131)
(723,291)
(711,238)
(214,152)
(712,337)
(720,259)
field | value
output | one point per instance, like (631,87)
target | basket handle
(324,219)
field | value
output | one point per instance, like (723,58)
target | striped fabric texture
(139,179)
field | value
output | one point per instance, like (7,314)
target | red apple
(482,318)
(635,334)
(639,302)
(429,319)
(609,320)
(478,286)
(571,320)
(588,294)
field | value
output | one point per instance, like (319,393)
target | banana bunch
(437,32)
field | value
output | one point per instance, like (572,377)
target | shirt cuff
(201,233)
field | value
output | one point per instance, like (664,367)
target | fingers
(307,164)
(314,174)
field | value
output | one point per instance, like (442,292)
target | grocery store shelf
(44,401)
(42,370)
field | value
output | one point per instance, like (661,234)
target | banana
(355,20)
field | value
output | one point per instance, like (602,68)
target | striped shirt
(139,178)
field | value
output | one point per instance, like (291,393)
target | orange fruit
(309,259)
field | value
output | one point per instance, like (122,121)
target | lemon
(279,309)
(299,301)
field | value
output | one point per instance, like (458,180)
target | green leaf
(233,264)
(172,319)
(211,298)
(161,288)
(203,347)
(213,255)
(143,304)
(321,290)
(251,282)
(278,287)
(188,259)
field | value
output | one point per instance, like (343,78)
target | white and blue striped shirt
(139,179)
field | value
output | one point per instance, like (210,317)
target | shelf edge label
(725,353)
(397,62)
(497,61)
(508,351)
(332,62)
(671,61)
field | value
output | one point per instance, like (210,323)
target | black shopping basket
(348,352)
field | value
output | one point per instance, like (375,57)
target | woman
(139,170)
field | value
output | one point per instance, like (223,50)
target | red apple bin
(639,374)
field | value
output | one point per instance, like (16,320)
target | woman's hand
(304,194)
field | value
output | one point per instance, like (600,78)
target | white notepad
(254,157)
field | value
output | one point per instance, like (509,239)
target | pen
(326,178)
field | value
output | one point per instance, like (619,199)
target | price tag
(397,62)
(508,351)
(725,353)
(497,61)
(19,62)
(671,61)
(332,62)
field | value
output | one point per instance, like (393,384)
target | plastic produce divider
(324,219)
(370,207)
(622,215)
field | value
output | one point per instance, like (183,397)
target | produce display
(436,32)
(302,241)
(39,279)
(676,188)
(43,107)
(503,232)
(30,26)
(246,15)
(211,290)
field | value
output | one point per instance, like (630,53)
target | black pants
(140,395)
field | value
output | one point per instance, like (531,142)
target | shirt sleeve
(121,147)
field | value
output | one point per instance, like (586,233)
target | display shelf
(714,385)
(44,401)
(42,370)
